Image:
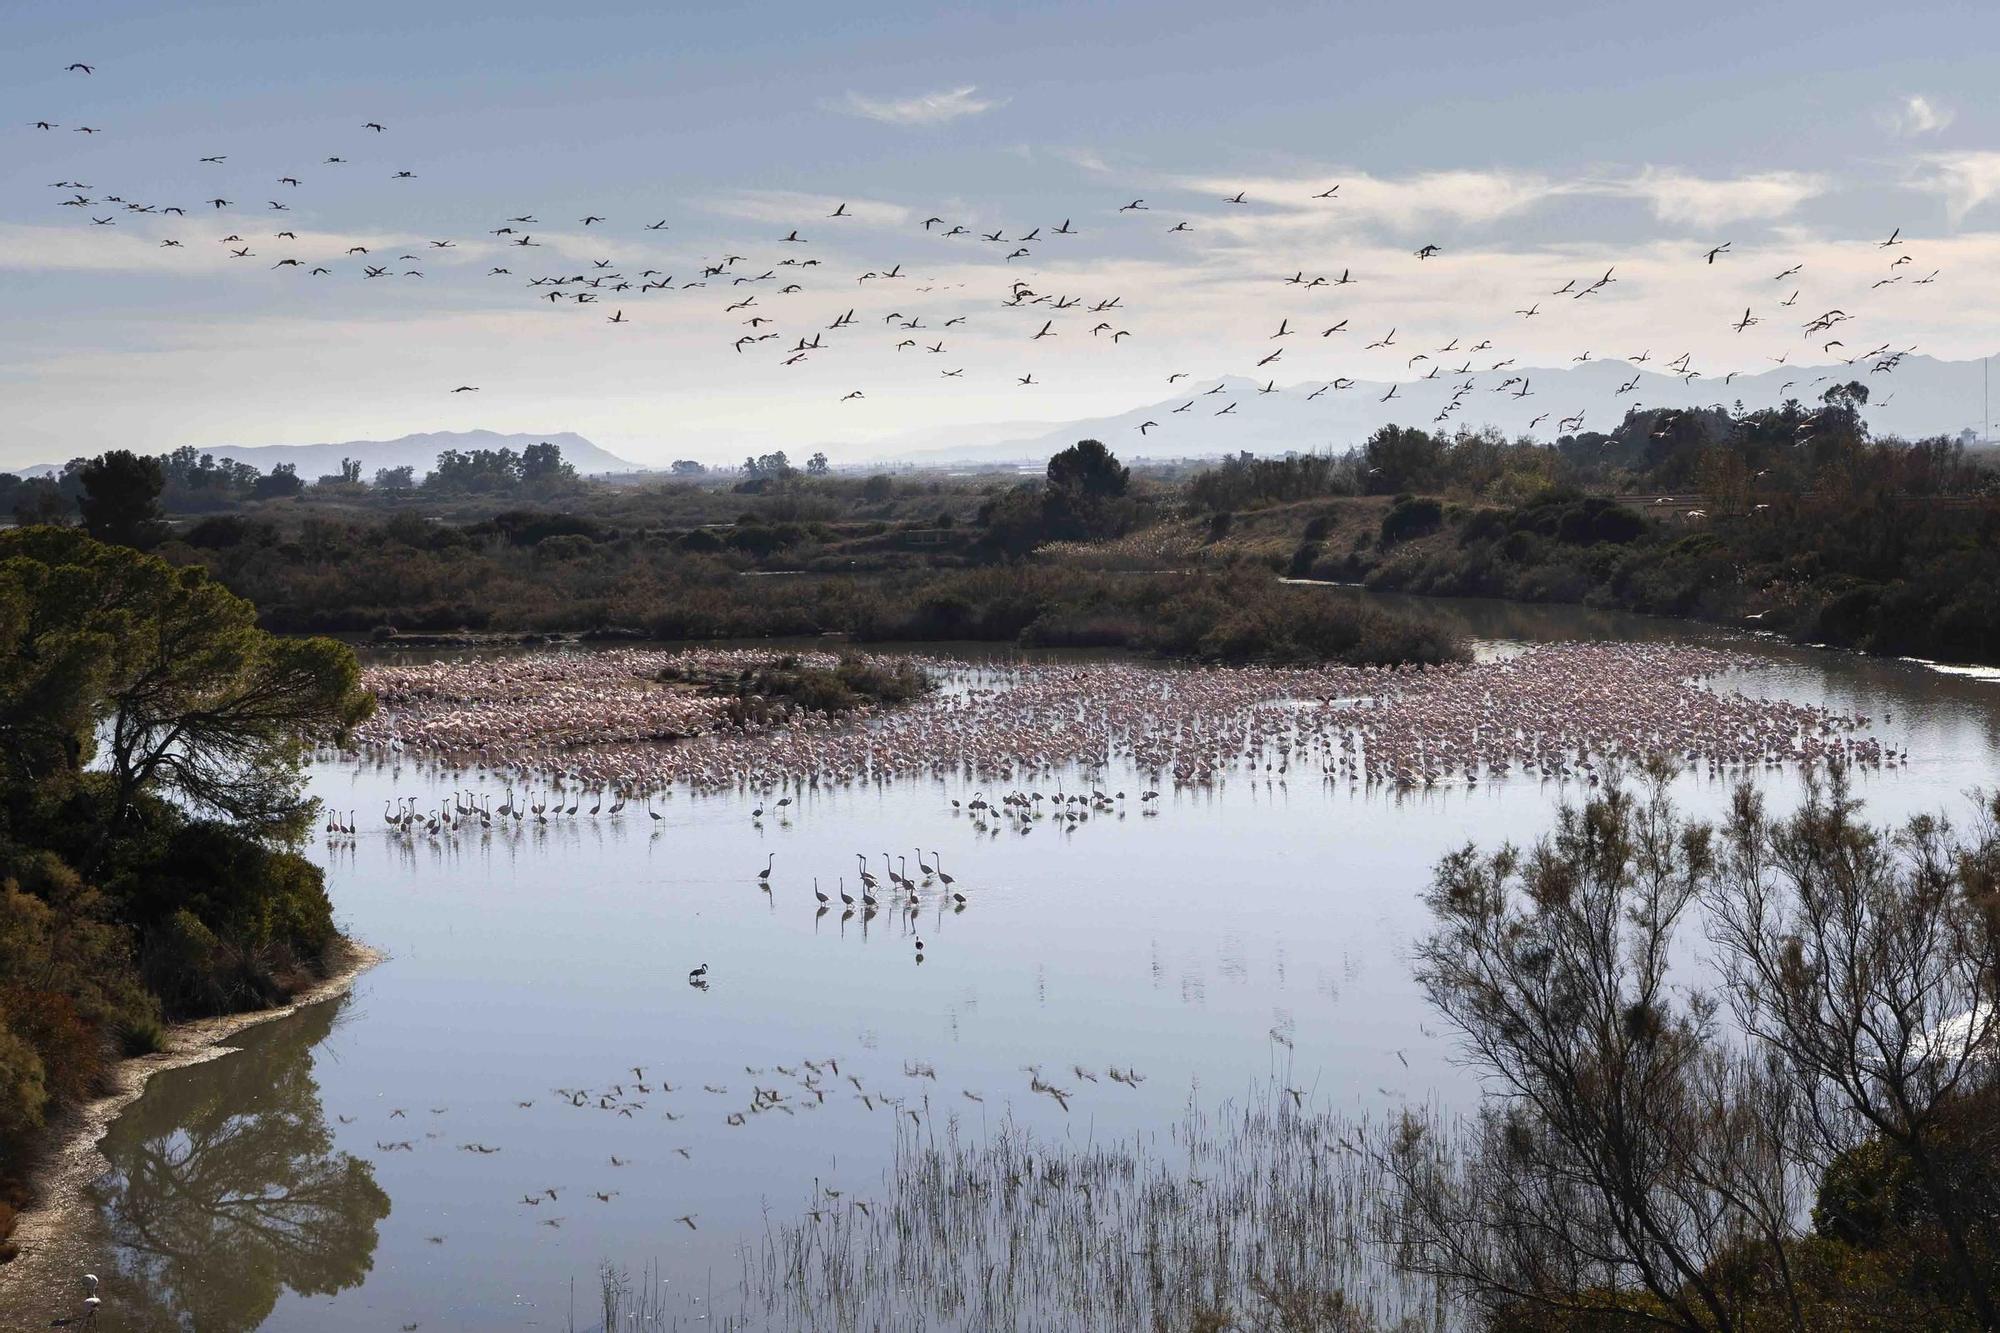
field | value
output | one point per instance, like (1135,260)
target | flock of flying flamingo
(758,288)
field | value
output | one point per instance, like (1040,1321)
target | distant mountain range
(417,451)
(1921,397)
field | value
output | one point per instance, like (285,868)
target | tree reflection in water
(225,1189)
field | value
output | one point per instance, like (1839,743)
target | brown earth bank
(43,1282)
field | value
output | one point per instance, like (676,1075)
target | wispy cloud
(937,108)
(1294,205)
(1084,158)
(1965,179)
(792,208)
(1702,201)
(1917,114)
(1475,196)
(33,246)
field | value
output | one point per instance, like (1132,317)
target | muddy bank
(54,1237)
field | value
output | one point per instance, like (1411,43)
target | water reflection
(1223,939)
(225,1189)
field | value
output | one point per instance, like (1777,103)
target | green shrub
(53,936)
(224,531)
(183,963)
(70,1048)
(1410,518)
(142,1036)
(564,546)
(23,1093)
(1483,525)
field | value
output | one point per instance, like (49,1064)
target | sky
(1532,151)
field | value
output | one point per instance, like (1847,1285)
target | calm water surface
(1258,931)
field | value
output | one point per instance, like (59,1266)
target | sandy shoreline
(42,1283)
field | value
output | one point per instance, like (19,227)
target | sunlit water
(1253,933)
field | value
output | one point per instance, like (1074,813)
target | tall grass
(1252,1217)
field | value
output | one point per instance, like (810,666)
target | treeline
(535,571)
(188,481)
(551,574)
(1794,518)
(1874,572)
(1732,459)
(1237,616)
(151,811)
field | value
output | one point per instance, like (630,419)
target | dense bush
(528,527)
(226,530)
(1871,573)
(163,880)
(1240,615)
(1245,481)
(1410,518)
(181,917)
(23,1085)
(1576,520)
(768,694)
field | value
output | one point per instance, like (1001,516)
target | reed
(1254,1216)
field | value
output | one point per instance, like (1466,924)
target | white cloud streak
(936,108)
(807,212)
(1084,159)
(34,247)
(1400,202)
(1699,201)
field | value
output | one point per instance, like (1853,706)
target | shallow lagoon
(1250,934)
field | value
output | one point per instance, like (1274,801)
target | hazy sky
(1533,151)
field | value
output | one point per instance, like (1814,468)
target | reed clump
(1254,1217)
